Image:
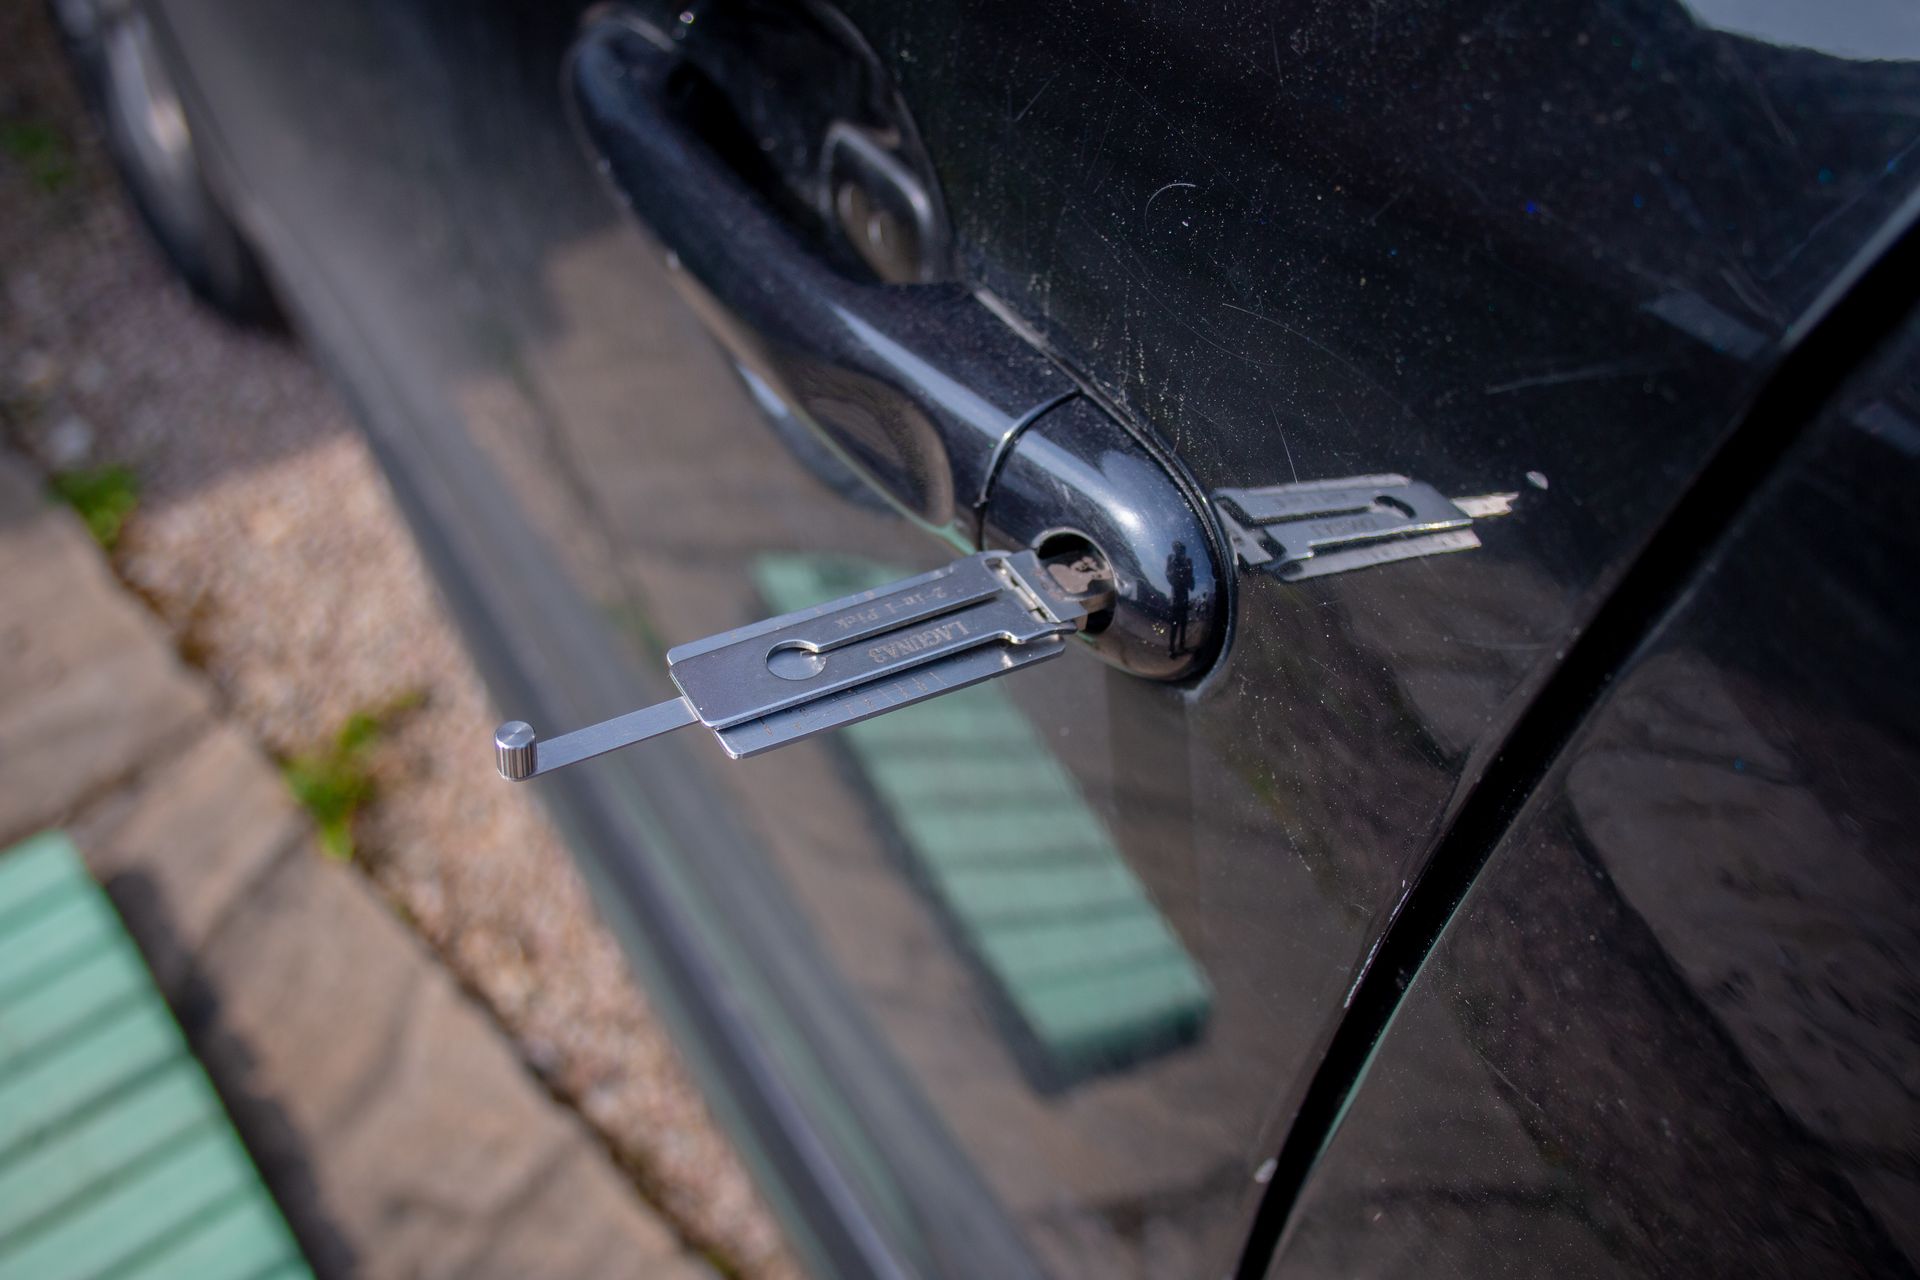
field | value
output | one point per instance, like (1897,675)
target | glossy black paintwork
(1674,1028)
(917,387)
(1547,251)
(1278,242)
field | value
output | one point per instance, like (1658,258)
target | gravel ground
(268,542)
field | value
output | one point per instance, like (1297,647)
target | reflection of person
(1180,580)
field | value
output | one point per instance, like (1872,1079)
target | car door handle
(922,389)
(914,386)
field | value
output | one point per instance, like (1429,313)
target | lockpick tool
(771,683)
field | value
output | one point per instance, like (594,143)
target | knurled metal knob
(515,747)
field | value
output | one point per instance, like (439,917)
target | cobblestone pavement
(390,1116)
(267,546)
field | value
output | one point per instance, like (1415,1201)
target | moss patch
(40,150)
(103,496)
(335,783)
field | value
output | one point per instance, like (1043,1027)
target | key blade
(520,754)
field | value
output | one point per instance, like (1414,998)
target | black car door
(1422,317)
(1667,1033)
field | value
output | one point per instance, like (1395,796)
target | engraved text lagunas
(943,634)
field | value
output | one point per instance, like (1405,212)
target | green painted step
(116,1158)
(1016,860)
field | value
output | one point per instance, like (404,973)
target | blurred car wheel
(125,69)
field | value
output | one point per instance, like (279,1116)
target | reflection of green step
(115,1156)
(1020,865)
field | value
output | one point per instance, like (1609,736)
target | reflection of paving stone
(87,688)
(115,1156)
(439,1146)
(395,1125)
(1033,883)
(268,544)
(219,789)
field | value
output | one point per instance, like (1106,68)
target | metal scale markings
(771,683)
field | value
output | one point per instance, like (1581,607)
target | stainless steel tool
(1312,528)
(774,682)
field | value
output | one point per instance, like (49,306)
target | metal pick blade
(774,682)
(520,753)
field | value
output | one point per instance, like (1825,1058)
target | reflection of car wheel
(126,73)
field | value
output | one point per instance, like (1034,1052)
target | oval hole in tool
(794,661)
